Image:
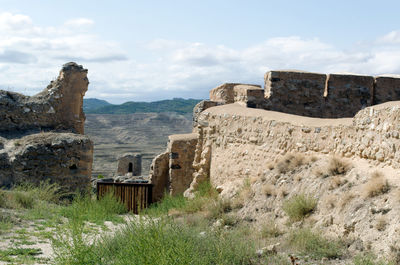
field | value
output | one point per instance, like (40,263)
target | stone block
(181,169)
(251,96)
(159,175)
(387,88)
(223,93)
(347,94)
(295,92)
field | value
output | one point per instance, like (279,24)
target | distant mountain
(178,105)
(90,104)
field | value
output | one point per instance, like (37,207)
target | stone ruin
(130,164)
(243,129)
(41,137)
(188,158)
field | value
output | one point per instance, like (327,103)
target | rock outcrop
(56,108)
(42,136)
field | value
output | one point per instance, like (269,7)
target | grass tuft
(299,206)
(312,244)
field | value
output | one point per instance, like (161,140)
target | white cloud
(79,22)
(30,57)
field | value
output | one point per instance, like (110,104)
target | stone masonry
(172,171)
(41,137)
(130,163)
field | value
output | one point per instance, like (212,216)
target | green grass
(19,255)
(312,244)
(370,259)
(299,206)
(158,242)
(88,209)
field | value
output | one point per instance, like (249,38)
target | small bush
(269,190)
(377,185)
(299,206)
(312,244)
(24,199)
(290,162)
(338,166)
(270,229)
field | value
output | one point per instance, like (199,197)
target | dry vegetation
(376,185)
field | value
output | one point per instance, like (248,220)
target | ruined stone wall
(41,136)
(311,94)
(172,171)
(242,141)
(58,107)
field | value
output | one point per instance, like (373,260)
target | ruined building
(243,131)
(236,115)
(41,137)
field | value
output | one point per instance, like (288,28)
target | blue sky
(151,50)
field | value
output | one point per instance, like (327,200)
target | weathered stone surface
(295,92)
(130,163)
(181,166)
(58,107)
(347,93)
(42,135)
(223,93)
(64,158)
(159,175)
(251,96)
(201,106)
(387,88)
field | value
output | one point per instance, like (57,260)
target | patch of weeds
(159,242)
(19,254)
(167,203)
(376,185)
(312,244)
(270,229)
(6,223)
(338,166)
(108,208)
(370,259)
(244,194)
(299,206)
(290,162)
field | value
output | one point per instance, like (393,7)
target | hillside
(178,105)
(146,133)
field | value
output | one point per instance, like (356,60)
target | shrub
(270,229)
(299,206)
(269,189)
(377,185)
(24,199)
(289,162)
(309,243)
(337,166)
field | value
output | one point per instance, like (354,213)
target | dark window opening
(130,168)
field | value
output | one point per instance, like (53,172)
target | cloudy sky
(151,50)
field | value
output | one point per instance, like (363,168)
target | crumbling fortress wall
(222,127)
(312,94)
(41,137)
